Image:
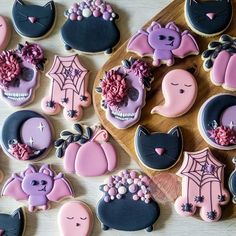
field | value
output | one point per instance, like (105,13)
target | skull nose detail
(211,15)
(160,151)
(32,19)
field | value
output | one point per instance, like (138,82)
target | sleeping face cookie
(26,136)
(220,60)
(179,88)
(91,27)
(217,121)
(5,33)
(208,18)
(123,91)
(75,219)
(126,200)
(158,151)
(33,21)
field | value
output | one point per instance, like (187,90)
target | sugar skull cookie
(5,33)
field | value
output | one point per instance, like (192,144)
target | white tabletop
(133,14)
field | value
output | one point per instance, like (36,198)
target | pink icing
(179,88)
(5,33)
(21,151)
(141,69)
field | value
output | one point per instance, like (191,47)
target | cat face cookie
(75,218)
(33,21)
(208,18)
(89,20)
(158,151)
(5,33)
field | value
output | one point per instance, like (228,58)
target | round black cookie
(232,183)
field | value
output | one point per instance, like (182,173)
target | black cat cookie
(91,27)
(158,151)
(12,225)
(33,21)
(208,18)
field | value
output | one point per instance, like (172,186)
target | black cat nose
(181,91)
(77,224)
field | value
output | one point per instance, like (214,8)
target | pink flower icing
(141,69)
(21,151)
(114,87)
(223,135)
(9,68)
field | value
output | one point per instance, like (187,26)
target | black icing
(45,18)
(12,225)
(128,215)
(146,142)
(90,35)
(196,15)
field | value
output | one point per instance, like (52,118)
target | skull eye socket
(133,94)
(27,74)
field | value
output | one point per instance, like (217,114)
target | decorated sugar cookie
(158,151)
(126,200)
(26,136)
(179,88)
(123,91)
(217,121)
(33,21)
(69,88)
(208,18)
(202,186)
(220,60)
(75,219)
(38,187)
(20,73)
(5,33)
(91,27)
(163,44)
(79,150)
(13,224)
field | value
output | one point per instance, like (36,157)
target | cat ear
(154,26)
(50,5)
(172,26)
(191,2)
(176,132)
(19,2)
(46,170)
(29,170)
(18,214)
(142,131)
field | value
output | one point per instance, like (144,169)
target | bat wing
(188,46)
(139,44)
(61,189)
(12,188)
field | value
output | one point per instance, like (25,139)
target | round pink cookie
(5,33)
(75,219)
(180,92)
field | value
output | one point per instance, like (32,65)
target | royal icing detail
(126,200)
(75,218)
(219,59)
(208,18)
(38,187)
(78,149)
(202,186)
(14,224)
(217,121)
(5,33)
(33,21)
(179,89)
(158,151)
(232,182)
(26,135)
(163,44)
(89,20)
(69,88)
(19,73)
(123,91)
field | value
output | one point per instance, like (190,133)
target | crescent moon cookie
(33,21)
(26,136)
(20,73)
(89,20)
(5,33)
(202,186)
(126,200)
(217,121)
(220,60)
(78,149)
(123,92)
(69,88)
(158,151)
(208,18)
(180,89)
(75,219)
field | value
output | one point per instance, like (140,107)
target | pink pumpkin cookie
(202,186)
(86,152)
(68,88)
(179,88)
(5,33)
(75,219)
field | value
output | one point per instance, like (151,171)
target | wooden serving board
(188,123)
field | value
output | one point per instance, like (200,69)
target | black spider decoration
(212,215)
(187,207)
(199,199)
